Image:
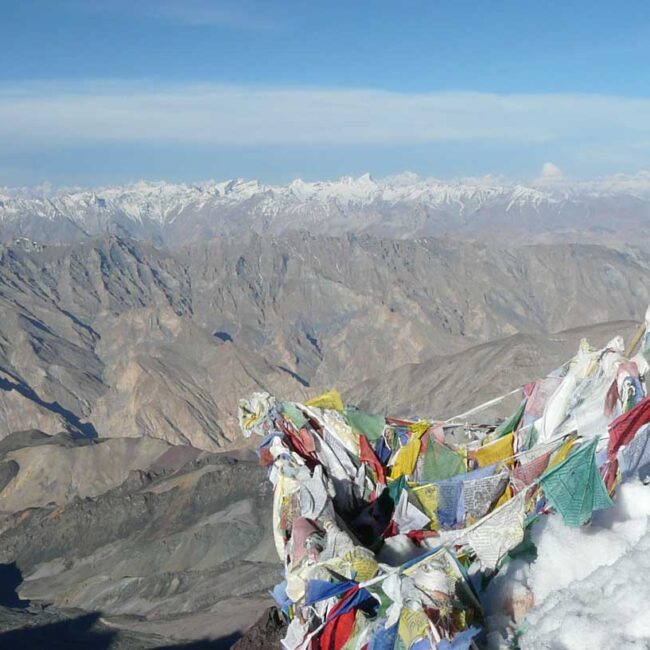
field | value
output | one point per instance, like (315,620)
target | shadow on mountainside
(223,643)
(264,634)
(77,632)
(31,628)
(10,579)
(73,420)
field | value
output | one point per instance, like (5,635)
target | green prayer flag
(440,462)
(575,488)
(294,414)
(395,488)
(512,422)
(371,426)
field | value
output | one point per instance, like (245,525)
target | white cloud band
(49,114)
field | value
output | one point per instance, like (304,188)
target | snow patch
(586,585)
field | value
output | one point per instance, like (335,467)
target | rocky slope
(178,547)
(118,338)
(447,385)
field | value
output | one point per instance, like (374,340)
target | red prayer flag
(367,455)
(337,632)
(339,627)
(624,427)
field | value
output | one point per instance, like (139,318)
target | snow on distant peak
(404,186)
(156,204)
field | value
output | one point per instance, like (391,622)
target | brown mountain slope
(118,338)
(444,386)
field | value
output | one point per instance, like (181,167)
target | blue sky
(104,91)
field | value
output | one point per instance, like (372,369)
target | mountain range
(115,337)
(403,206)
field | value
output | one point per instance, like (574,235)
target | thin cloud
(49,114)
(240,15)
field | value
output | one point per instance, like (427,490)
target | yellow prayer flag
(428,497)
(406,458)
(506,496)
(460,618)
(495,451)
(364,567)
(413,624)
(561,453)
(329,400)
(418,429)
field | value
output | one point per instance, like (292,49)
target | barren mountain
(119,338)
(170,541)
(447,385)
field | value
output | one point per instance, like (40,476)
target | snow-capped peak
(405,204)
